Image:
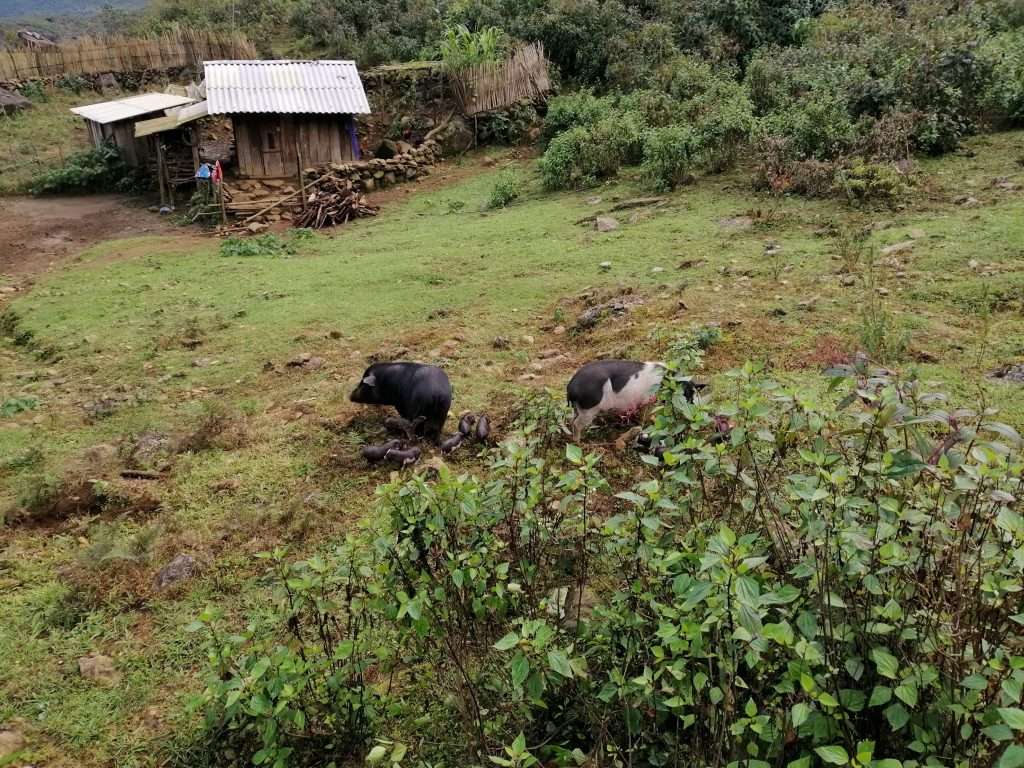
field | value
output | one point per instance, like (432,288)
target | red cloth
(218,173)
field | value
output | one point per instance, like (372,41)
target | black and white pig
(615,386)
(420,393)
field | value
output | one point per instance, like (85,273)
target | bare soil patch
(40,234)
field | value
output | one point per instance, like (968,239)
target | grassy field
(147,342)
(40,138)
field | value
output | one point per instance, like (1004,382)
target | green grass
(415,277)
(37,139)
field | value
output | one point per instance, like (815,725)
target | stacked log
(370,175)
(331,202)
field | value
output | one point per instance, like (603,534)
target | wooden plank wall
(179,48)
(320,139)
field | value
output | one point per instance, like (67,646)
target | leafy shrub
(723,118)
(73,83)
(561,165)
(864,182)
(581,156)
(795,580)
(669,156)
(300,690)
(819,127)
(267,245)
(95,170)
(12,406)
(33,90)
(579,109)
(506,190)
(1004,98)
(461,48)
(506,126)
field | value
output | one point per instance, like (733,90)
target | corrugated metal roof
(133,106)
(175,118)
(285,87)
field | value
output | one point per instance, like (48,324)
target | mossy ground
(159,336)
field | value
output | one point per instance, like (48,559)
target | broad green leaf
(886,663)
(377,754)
(880,695)
(800,713)
(508,642)
(260,668)
(1013,717)
(1013,757)
(520,669)
(573,453)
(897,716)
(398,752)
(560,663)
(974,683)
(833,755)
(907,692)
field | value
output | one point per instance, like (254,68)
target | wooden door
(271,143)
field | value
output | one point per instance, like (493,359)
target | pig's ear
(370,381)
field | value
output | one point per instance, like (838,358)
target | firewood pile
(333,201)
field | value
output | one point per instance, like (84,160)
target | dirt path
(39,234)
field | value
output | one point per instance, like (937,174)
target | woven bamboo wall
(180,48)
(486,87)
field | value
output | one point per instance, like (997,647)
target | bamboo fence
(487,87)
(178,48)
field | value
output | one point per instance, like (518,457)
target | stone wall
(407,100)
(369,175)
(102,82)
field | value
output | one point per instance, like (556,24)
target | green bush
(267,245)
(506,190)
(1004,98)
(818,127)
(95,170)
(723,118)
(507,126)
(872,182)
(461,48)
(297,690)
(795,579)
(579,109)
(669,156)
(581,156)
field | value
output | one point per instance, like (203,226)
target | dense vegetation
(791,581)
(791,576)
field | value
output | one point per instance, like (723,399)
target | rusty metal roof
(127,108)
(285,87)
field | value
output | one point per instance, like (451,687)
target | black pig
(420,393)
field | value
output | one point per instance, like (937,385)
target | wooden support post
(223,208)
(195,148)
(302,185)
(160,171)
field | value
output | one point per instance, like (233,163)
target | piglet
(483,429)
(451,443)
(466,424)
(375,453)
(404,457)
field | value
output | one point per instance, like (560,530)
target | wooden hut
(115,121)
(287,115)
